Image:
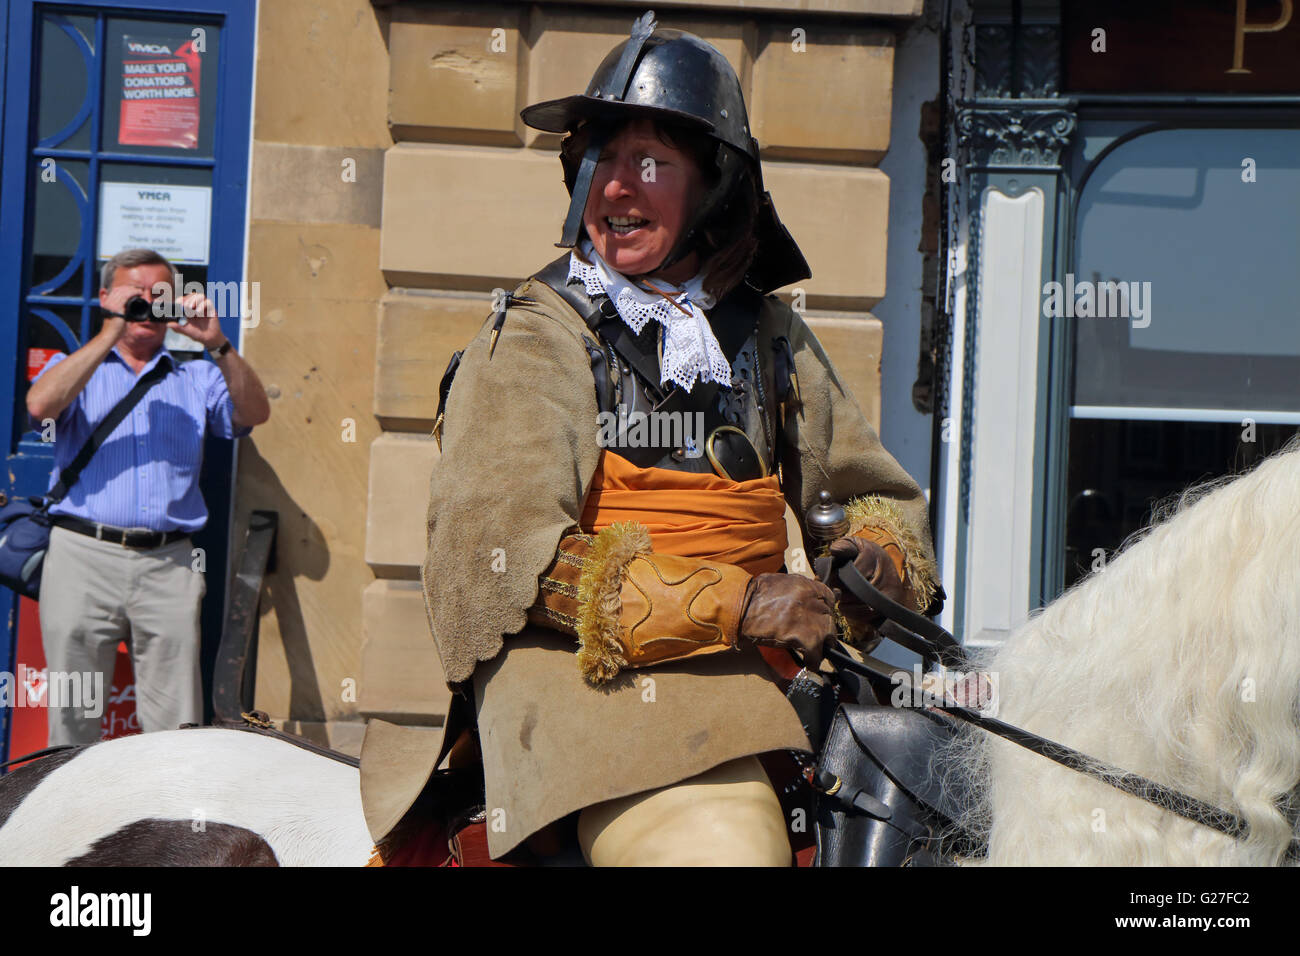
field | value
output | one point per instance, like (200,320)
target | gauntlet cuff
(881,521)
(631,608)
(557,605)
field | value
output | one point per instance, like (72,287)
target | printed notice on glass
(175,221)
(160,93)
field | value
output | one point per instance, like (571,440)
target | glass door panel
(126,109)
(65,94)
(61,212)
(155,98)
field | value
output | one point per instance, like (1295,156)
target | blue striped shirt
(146,473)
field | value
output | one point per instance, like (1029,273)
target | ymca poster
(160,93)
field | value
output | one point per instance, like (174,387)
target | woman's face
(640,201)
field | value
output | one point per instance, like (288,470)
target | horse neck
(1180,662)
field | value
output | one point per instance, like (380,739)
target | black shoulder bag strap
(68,477)
(601,317)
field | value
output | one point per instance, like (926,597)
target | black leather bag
(885,801)
(882,798)
(25,522)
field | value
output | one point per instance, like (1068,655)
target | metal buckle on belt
(99,531)
(734,456)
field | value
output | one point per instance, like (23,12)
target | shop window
(1186,322)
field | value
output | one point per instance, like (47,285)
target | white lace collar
(691,352)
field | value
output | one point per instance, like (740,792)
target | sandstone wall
(371,281)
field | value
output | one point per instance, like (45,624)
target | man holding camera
(119,565)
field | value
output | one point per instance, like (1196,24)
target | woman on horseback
(643,519)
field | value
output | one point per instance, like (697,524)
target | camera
(138,310)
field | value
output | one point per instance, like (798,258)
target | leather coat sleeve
(519,453)
(830,446)
(629,607)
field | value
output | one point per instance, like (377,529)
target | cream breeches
(727,816)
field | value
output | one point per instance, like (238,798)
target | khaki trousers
(95,594)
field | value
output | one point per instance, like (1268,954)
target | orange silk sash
(692,515)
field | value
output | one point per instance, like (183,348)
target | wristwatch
(220,350)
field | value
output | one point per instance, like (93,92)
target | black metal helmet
(675,78)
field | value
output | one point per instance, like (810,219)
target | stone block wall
(371,284)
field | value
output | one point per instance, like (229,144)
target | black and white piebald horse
(1180,661)
(195,797)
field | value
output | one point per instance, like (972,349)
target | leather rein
(932,642)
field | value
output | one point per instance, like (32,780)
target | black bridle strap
(946,648)
(944,645)
(1156,794)
(1166,798)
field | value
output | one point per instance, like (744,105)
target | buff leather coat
(518,457)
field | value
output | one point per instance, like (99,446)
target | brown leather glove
(876,565)
(791,611)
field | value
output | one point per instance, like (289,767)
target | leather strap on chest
(734,322)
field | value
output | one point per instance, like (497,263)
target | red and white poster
(37,359)
(28,692)
(160,93)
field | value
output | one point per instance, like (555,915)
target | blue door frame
(28,462)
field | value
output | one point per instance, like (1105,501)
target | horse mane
(1180,661)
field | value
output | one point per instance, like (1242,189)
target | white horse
(1180,661)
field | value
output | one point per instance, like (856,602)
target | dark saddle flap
(902,742)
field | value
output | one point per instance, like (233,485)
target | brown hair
(726,243)
(129,259)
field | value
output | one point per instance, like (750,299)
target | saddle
(881,801)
